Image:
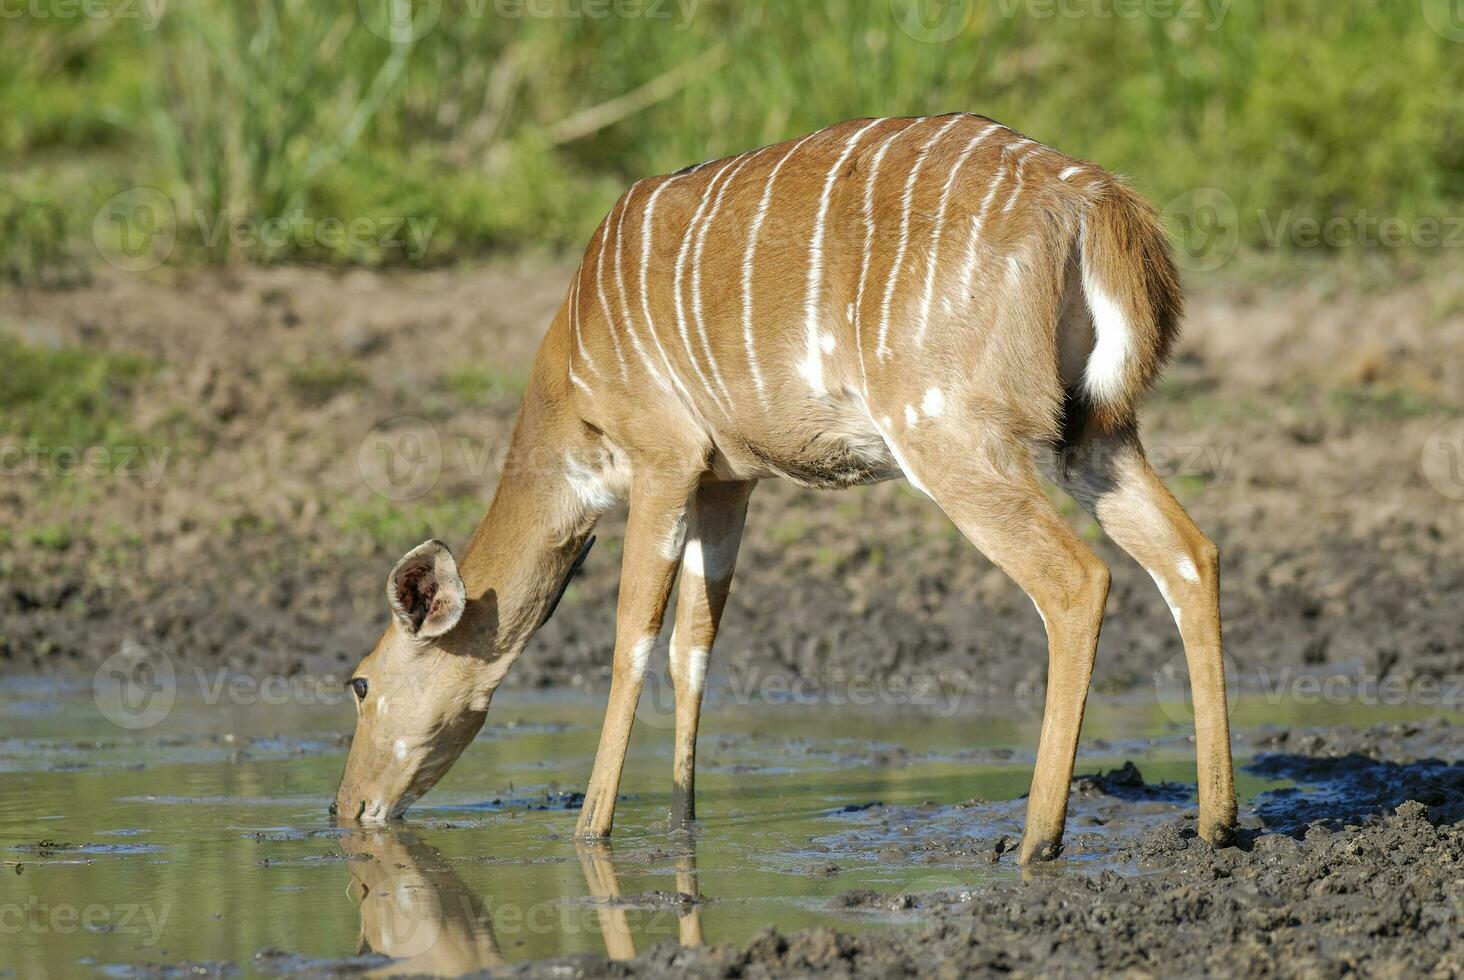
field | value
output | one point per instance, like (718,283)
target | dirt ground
(258,531)
(1294,424)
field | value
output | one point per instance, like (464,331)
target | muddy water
(203,841)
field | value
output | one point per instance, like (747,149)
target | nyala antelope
(936,298)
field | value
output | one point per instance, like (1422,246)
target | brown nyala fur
(938,298)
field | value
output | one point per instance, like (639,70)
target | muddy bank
(244,517)
(1351,875)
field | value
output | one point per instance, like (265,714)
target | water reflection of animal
(597,862)
(415,909)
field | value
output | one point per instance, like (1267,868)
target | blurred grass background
(511,130)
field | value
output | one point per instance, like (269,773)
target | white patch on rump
(1113,343)
(934,403)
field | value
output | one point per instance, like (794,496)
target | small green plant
(1365,403)
(386,525)
(66,397)
(316,382)
(482,387)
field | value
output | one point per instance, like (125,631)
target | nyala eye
(358,684)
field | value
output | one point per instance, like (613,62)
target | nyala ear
(425,592)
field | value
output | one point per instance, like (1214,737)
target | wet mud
(1350,874)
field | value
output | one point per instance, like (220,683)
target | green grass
(481,387)
(316,382)
(505,132)
(66,398)
(384,525)
(1386,402)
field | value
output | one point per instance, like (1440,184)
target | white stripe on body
(968,267)
(624,300)
(645,293)
(747,265)
(812,366)
(945,197)
(687,237)
(858,309)
(883,348)
(605,302)
(701,244)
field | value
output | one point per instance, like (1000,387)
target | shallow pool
(203,841)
